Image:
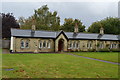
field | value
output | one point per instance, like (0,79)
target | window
(74,45)
(22,44)
(70,44)
(77,45)
(114,45)
(48,44)
(44,44)
(40,44)
(27,44)
(111,46)
(89,45)
(101,45)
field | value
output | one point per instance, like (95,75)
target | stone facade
(33,45)
(68,45)
(43,41)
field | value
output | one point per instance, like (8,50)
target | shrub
(115,50)
(104,50)
(91,50)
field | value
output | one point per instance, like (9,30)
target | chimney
(102,30)
(33,24)
(33,27)
(76,28)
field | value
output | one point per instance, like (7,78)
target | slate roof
(70,35)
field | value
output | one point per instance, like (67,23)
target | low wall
(6,44)
(0,43)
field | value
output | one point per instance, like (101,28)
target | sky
(87,11)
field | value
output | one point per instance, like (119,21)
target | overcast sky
(87,12)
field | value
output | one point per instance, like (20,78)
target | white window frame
(77,45)
(44,44)
(40,44)
(71,45)
(26,43)
(111,46)
(74,44)
(89,44)
(48,44)
(23,44)
(101,45)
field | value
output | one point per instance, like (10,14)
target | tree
(8,22)
(43,20)
(111,26)
(69,25)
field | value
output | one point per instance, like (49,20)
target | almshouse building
(48,41)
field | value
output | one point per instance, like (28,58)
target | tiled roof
(70,35)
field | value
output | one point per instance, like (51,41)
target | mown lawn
(55,66)
(108,56)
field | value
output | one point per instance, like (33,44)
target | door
(61,45)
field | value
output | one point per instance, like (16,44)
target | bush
(104,50)
(91,50)
(115,50)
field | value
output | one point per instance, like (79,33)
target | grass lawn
(55,66)
(108,56)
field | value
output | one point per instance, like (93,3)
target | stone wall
(82,45)
(57,41)
(33,45)
(5,44)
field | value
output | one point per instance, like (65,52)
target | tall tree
(44,20)
(69,25)
(111,26)
(8,22)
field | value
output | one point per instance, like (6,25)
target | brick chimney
(76,28)
(33,28)
(102,30)
(33,24)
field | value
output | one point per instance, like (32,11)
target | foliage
(115,50)
(104,50)
(46,20)
(111,26)
(43,19)
(91,50)
(57,66)
(8,22)
(69,25)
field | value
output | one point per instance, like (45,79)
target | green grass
(55,66)
(108,56)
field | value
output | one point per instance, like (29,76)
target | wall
(54,45)
(82,46)
(33,45)
(5,44)
(65,43)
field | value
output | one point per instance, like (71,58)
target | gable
(62,34)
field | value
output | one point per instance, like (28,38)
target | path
(94,59)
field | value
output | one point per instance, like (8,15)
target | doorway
(61,45)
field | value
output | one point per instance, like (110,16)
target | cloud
(87,12)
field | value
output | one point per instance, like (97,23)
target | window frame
(22,44)
(40,44)
(27,41)
(44,44)
(48,44)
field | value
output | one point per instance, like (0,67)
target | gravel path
(94,59)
